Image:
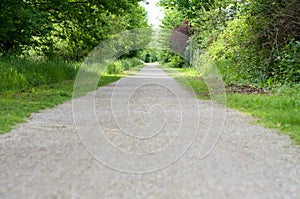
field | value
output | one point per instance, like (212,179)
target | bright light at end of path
(155,13)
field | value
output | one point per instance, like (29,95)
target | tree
(259,38)
(20,23)
(69,28)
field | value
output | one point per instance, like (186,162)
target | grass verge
(190,78)
(15,106)
(276,110)
(280,109)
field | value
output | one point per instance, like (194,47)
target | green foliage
(149,55)
(65,28)
(278,109)
(115,67)
(20,23)
(19,74)
(286,67)
(18,103)
(89,24)
(191,78)
(187,8)
(176,62)
(274,111)
(119,66)
(237,55)
(253,42)
(14,107)
(173,18)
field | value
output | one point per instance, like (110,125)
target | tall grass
(28,86)
(19,74)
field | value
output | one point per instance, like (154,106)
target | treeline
(43,42)
(64,28)
(254,42)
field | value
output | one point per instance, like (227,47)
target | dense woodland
(65,28)
(253,42)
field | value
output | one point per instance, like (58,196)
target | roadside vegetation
(43,43)
(278,108)
(29,86)
(254,44)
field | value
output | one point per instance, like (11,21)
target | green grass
(18,104)
(20,74)
(15,107)
(274,111)
(280,110)
(191,79)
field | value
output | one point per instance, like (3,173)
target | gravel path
(146,137)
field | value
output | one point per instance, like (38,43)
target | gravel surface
(146,137)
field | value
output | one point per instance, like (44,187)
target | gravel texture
(146,137)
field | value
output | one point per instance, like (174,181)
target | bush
(286,68)
(124,64)
(176,62)
(115,68)
(241,60)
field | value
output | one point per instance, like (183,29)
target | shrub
(119,66)
(176,62)
(286,68)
